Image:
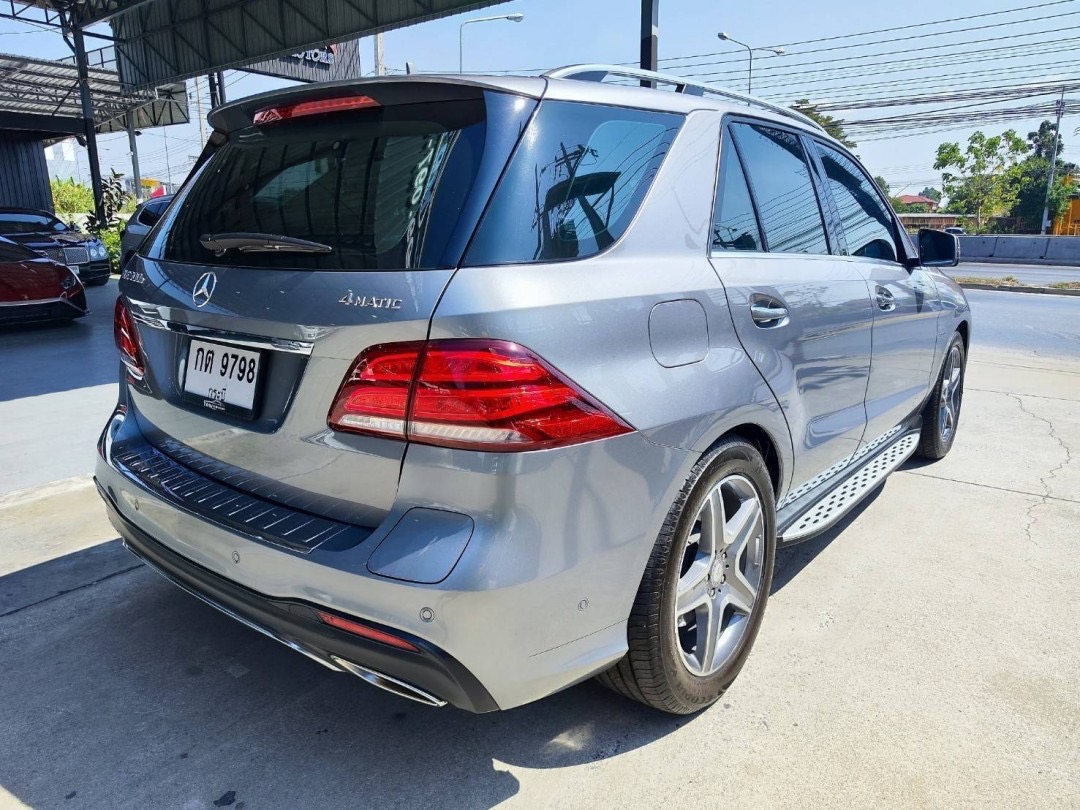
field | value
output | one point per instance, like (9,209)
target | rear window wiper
(260,243)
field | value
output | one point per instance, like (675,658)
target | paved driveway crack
(1044,480)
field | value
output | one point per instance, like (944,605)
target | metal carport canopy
(162,41)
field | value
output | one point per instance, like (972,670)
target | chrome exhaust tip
(389,683)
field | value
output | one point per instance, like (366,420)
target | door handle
(885,300)
(768,314)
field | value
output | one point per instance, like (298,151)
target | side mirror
(938,249)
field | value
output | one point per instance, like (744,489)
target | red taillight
(364,631)
(474,394)
(288,112)
(127,339)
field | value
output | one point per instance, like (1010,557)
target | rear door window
(780,181)
(735,225)
(383,188)
(574,184)
(867,224)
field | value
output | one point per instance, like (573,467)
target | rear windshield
(574,183)
(383,188)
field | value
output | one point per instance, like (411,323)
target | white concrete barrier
(1064,250)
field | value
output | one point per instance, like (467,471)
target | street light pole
(1060,105)
(461,34)
(750,56)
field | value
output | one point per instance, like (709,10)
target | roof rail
(597,73)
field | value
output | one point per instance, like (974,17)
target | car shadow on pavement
(61,356)
(792,559)
(130,692)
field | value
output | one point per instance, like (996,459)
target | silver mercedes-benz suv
(476,387)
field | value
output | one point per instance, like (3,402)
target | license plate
(222,378)
(74,268)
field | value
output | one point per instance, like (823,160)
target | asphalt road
(1035,325)
(1033,274)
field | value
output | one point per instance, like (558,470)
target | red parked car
(35,288)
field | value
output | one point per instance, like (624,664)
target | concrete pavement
(924,654)
(57,388)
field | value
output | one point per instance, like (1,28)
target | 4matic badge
(351,300)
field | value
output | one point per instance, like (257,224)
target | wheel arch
(964,328)
(766,445)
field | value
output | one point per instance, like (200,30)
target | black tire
(652,671)
(934,442)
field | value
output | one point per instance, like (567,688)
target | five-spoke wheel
(720,575)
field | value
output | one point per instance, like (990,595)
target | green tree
(113,198)
(834,126)
(931,193)
(982,178)
(1031,194)
(70,197)
(882,184)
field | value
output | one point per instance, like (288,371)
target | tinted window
(10,252)
(868,227)
(735,226)
(383,187)
(574,183)
(782,188)
(11,222)
(151,212)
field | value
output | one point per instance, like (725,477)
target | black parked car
(139,224)
(42,232)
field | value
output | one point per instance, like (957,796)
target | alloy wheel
(949,407)
(720,575)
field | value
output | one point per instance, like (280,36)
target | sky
(1021,47)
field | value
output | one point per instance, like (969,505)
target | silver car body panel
(538,596)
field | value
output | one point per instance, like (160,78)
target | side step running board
(840,500)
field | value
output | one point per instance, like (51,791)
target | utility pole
(134,156)
(168,164)
(380,68)
(1060,105)
(650,33)
(199,111)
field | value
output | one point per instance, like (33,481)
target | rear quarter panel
(591,320)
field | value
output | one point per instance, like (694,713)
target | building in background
(62,162)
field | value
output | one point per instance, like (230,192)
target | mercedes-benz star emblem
(204,288)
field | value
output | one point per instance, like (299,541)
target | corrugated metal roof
(42,87)
(160,41)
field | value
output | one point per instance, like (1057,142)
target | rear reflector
(472,394)
(362,630)
(127,339)
(288,112)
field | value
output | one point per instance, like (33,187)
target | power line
(899,81)
(801,65)
(889,30)
(970,80)
(893,40)
(999,93)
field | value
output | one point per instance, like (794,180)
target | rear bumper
(429,675)
(537,600)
